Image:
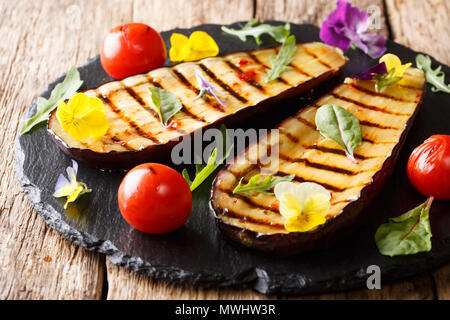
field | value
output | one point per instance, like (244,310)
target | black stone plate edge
(253,278)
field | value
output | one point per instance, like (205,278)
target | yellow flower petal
(74,195)
(392,61)
(317,204)
(64,191)
(290,205)
(180,47)
(202,45)
(83,116)
(304,222)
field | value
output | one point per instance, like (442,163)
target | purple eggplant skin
(124,160)
(326,235)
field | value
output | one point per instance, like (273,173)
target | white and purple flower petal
(206,87)
(369,73)
(347,25)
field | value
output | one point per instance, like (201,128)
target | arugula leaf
(279,33)
(266,184)
(337,124)
(434,77)
(62,91)
(281,62)
(409,233)
(165,102)
(203,172)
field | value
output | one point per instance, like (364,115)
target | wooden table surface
(41,39)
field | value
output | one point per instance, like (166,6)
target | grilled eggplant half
(136,134)
(385,118)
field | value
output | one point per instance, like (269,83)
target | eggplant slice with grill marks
(136,134)
(385,118)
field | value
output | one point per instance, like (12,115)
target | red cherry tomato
(132,48)
(154,198)
(429,167)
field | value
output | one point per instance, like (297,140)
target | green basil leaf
(280,63)
(409,233)
(165,102)
(279,33)
(62,91)
(337,124)
(434,77)
(264,186)
(203,172)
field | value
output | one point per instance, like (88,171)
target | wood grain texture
(422,26)
(41,39)
(315,12)
(35,261)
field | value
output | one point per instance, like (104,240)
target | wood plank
(125,284)
(422,26)
(41,40)
(315,12)
(164,15)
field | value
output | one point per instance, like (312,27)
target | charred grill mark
(377,94)
(336,151)
(366,106)
(376,125)
(297,68)
(130,122)
(191,87)
(185,110)
(305,122)
(257,61)
(291,137)
(121,143)
(249,81)
(301,179)
(222,84)
(232,214)
(139,100)
(248,201)
(319,165)
(316,57)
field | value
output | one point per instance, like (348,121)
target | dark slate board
(197,254)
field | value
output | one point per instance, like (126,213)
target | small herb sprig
(166,103)
(337,124)
(280,62)
(279,33)
(62,91)
(264,186)
(202,172)
(434,77)
(409,233)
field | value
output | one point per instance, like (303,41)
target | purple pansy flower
(205,87)
(369,73)
(347,25)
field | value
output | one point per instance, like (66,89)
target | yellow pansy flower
(304,205)
(199,45)
(392,61)
(70,188)
(83,116)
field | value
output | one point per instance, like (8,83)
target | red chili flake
(242,62)
(248,76)
(235,84)
(275,205)
(48,259)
